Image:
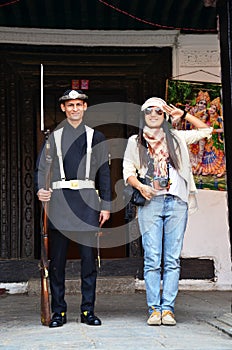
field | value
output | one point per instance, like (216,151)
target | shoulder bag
(133,195)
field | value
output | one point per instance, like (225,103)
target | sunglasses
(148,110)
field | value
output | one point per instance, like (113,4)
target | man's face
(74,110)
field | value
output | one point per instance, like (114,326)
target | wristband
(183,115)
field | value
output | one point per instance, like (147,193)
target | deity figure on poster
(196,150)
(213,160)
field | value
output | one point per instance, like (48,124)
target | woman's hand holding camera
(147,191)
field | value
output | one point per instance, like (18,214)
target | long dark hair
(172,143)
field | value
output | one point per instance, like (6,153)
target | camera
(160,183)
(163,182)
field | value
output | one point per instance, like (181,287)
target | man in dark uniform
(79,202)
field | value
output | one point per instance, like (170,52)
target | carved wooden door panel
(17,163)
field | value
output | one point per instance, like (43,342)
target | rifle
(45,304)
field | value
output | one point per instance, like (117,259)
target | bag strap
(89,136)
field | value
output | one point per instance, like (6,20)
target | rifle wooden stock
(45,303)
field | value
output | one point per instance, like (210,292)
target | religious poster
(75,84)
(84,84)
(207,157)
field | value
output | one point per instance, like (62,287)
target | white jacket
(131,161)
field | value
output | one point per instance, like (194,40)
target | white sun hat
(153,102)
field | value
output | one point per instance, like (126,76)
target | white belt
(73,184)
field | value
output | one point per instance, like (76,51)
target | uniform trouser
(58,251)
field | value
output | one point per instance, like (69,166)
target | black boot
(58,319)
(90,319)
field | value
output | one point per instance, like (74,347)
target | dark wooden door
(115,74)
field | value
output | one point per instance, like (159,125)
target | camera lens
(163,182)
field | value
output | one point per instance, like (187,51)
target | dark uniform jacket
(76,210)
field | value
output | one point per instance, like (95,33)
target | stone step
(109,284)
(224,323)
(105,285)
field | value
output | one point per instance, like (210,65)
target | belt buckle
(74,185)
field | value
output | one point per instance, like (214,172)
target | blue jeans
(162,223)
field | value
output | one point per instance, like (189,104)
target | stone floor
(203,323)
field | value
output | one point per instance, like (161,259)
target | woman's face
(154,117)
(212,109)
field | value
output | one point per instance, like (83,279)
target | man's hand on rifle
(44,195)
(103,217)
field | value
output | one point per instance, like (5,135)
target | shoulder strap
(89,136)
(57,137)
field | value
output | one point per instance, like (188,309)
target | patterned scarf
(157,149)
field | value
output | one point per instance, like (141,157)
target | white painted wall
(207,235)
(197,58)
